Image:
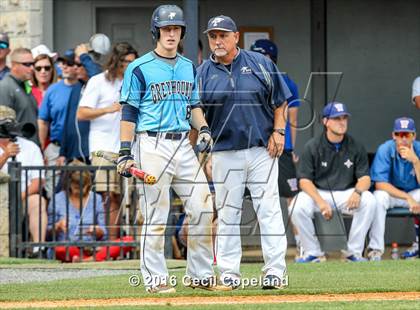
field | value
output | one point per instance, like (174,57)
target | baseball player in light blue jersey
(160,103)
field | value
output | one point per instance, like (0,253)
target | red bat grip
(147,178)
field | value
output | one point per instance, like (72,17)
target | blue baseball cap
(69,55)
(335,109)
(404,124)
(265,47)
(221,22)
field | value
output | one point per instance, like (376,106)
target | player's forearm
(309,187)
(279,117)
(293,113)
(127,131)
(197,118)
(416,165)
(42,132)
(87,114)
(363,183)
(392,190)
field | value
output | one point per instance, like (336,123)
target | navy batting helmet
(167,15)
(265,47)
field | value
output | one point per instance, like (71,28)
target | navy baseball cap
(221,22)
(69,55)
(265,47)
(335,109)
(404,124)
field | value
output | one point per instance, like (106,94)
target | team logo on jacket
(246,70)
(161,91)
(348,163)
(324,164)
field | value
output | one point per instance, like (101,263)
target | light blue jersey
(162,93)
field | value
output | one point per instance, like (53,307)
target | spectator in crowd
(100,105)
(13,92)
(396,173)
(76,132)
(28,154)
(44,74)
(288,186)
(52,115)
(78,215)
(4,51)
(416,92)
(333,175)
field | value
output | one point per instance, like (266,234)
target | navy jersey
(162,93)
(239,100)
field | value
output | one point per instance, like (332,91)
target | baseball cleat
(272,282)
(311,259)
(161,289)
(375,255)
(411,252)
(208,284)
(230,284)
(355,259)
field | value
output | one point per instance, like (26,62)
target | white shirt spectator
(416,89)
(104,132)
(29,155)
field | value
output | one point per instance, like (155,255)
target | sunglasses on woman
(39,68)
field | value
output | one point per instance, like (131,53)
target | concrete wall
(376,44)
(23,21)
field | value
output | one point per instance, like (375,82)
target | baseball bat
(138,173)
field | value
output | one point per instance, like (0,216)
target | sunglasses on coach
(46,68)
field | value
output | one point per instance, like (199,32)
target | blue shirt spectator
(75,137)
(54,106)
(77,220)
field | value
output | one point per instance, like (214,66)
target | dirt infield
(180,301)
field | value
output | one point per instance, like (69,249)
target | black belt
(166,135)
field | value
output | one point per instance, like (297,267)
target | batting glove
(205,142)
(125,162)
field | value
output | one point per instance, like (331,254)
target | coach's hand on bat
(275,144)
(326,210)
(125,162)
(205,142)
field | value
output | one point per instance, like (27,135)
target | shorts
(101,184)
(288,184)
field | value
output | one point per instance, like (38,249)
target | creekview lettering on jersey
(164,89)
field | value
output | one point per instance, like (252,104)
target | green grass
(330,277)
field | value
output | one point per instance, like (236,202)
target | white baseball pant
(384,201)
(232,171)
(303,213)
(173,163)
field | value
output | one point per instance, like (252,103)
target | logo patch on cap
(172,15)
(339,107)
(404,123)
(217,20)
